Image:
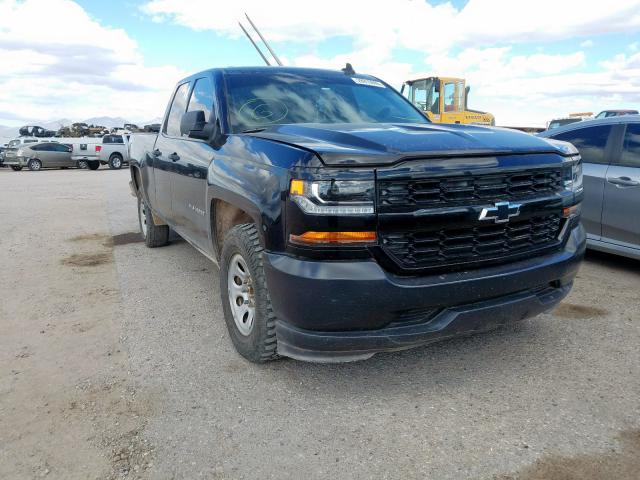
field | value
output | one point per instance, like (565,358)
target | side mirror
(193,125)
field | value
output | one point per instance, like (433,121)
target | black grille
(457,245)
(467,189)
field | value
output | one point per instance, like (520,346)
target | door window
(178,107)
(419,97)
(434,97)
(453,96)
(46,147)
(449,97)
(202,98)
(631,146)
(590,142)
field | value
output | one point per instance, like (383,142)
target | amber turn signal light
(568,211)
(319,238)
(297,187)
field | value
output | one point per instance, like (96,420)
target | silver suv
(610,150)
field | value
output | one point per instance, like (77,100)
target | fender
(253,175)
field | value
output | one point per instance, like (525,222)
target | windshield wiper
(254,130)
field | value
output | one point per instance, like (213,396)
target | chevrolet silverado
(345,223)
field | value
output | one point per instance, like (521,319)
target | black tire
(154,235)
(34,165)
(260,344)
(93,164)
(16,168)
(115,161)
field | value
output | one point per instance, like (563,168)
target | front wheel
(154,235)
(115,162)
(16,168)
(34,165)
(245,297)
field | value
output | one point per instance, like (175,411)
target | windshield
(260,100)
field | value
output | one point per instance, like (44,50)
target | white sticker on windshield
(368,82)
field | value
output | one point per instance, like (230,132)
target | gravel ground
(115,363)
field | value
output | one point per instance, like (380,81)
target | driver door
(191,163)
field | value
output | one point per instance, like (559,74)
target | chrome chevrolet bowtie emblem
(501,212)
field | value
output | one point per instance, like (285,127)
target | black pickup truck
(344,223)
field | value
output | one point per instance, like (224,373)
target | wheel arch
(228,210)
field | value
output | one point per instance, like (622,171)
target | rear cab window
(112,139)
(591,142)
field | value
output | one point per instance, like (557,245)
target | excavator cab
(444,100)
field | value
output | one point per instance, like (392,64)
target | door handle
(623,182)
(174,157)
(157,153)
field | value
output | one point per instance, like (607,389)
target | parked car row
(610,150)
(36,153)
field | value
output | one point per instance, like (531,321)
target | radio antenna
(254,44)
(273,54)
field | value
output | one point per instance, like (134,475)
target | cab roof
(284,70)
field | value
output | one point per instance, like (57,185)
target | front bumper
(343,311)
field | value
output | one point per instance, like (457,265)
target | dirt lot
(115,363)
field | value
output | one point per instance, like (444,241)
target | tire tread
(247,235)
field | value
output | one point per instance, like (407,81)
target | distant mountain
(109,122)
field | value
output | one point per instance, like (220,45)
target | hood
(381,144)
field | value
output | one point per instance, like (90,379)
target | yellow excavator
(444,100)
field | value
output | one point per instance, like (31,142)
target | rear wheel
(245,298)
(93,164)
(154,235)
(115,162)
(16,168)
(82,164)
(34,164)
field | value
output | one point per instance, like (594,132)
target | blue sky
(120,58)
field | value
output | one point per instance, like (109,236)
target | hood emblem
(501,212)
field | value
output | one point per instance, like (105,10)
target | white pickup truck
(114,150)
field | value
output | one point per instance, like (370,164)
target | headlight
(572,176)
(334,197)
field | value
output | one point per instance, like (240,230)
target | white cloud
(59,62)
(412,24)
(518,89)
(530,90)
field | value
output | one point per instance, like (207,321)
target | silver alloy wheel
(35,165)
(142,217)
(116,162)
(241,296)
(82,164)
